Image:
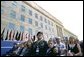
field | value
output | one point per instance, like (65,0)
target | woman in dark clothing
(73,47)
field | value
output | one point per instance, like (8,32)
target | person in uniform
(39,47)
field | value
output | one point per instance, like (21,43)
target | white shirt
(71,45)
(61,45)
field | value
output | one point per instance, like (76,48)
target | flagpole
(2,34)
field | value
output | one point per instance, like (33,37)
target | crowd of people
(54,47)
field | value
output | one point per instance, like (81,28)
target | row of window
(29,20)
(45,20)
(30,13)
(13,15)
(23,9)
(12,26)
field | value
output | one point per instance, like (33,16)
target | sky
(70,13)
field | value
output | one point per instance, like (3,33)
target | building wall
(67,33)
(26,16)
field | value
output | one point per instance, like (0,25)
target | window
(36,23)
(45,26)
(11,26)
(30,12)
(22,8)
(36,15)
(29,20)
(30,31)
(14,4)
(41,18)
(12,14)
(41,24)
(2,10)
(21,28)
(52,24)
(22,18)
(45,20)
(48,22)
(49,28)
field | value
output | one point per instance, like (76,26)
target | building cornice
(42,11)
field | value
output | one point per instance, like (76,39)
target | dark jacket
(42,46)
(50,52)
(26,52)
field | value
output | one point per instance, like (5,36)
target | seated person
(27,49)
(52,50)
(73,47)
(39,47)
(61,46)
(16,50)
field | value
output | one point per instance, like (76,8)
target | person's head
(76,41)
(58,40)
(62,40)
(71,40)
(39,35)
(29,44)
(50,43)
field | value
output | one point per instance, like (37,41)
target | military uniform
(39,48)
